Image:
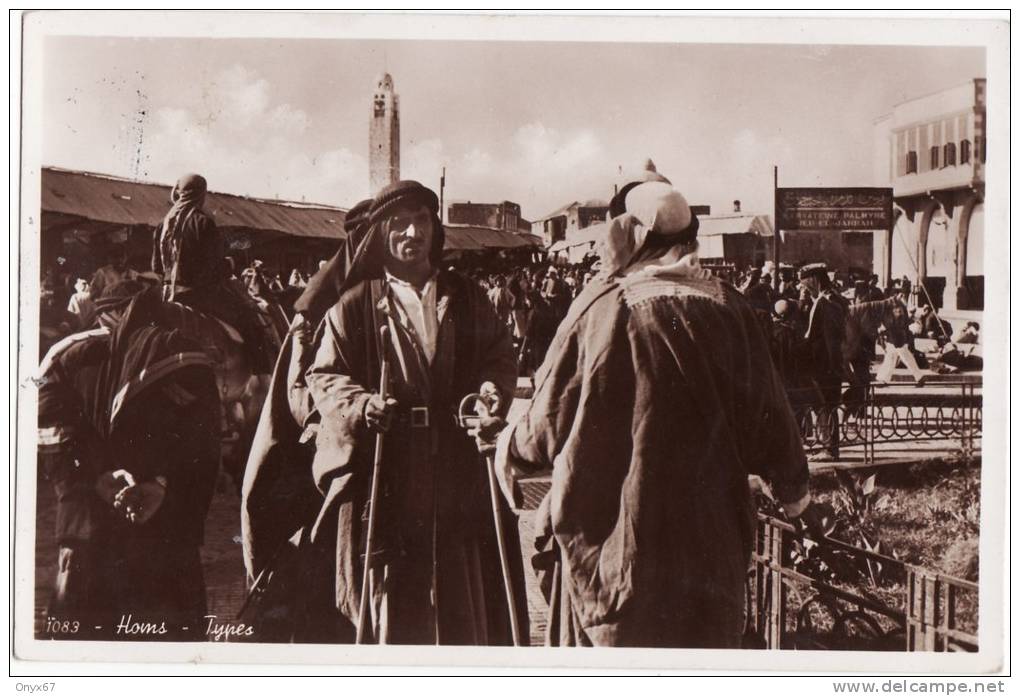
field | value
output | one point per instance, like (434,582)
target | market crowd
(378,499)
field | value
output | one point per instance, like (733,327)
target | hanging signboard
(834,208)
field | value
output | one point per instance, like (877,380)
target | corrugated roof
(475,237)
(123,202)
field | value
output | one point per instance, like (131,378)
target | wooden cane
(515,629)
(469,422)
(373,496)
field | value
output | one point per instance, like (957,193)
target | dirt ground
(221,560)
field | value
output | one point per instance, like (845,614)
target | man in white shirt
(81,304)
(435,576)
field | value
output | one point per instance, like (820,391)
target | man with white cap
(657,399)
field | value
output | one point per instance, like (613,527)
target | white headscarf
(651,206)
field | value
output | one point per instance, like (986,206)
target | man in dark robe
(657,400)
(874,293)
(279,500)
(129,427)
(788,347)
(188,252)
(435,574)
(826,333)
(115,271)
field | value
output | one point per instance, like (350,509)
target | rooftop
(118,201)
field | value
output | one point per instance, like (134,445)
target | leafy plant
(856,497)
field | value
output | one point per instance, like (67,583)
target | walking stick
(373,497)
(504,561)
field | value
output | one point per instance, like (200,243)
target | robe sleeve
(69,455)
(577,405)
(336,392)
(777,452)
(781,460)
(61,426)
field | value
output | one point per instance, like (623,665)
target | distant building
(736,240)
(565,222)
(931,151)
(384,136)
(503,216)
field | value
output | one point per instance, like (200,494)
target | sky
(539,123)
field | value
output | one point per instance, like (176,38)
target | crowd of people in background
(533,298)
(532,301)
(824,331)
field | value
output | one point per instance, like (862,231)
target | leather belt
(416,417)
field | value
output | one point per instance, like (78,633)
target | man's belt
(415,416)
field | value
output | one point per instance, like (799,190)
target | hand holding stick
(475,424)
(366,589)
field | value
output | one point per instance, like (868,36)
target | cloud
(539,146)
(234,131)
(539,167)
(241,95)
(747,175)
(288,119)
(477,162)
(423,161)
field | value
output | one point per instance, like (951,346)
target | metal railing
(794,604)
(952,415)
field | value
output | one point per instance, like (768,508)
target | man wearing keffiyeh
(657,399)
(435,574)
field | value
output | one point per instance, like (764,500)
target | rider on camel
(188,252)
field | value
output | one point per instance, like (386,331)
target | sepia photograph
(506,333)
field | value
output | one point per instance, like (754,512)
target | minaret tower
(384,136)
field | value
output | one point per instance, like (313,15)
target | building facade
(504,216)
(931,151)
(567,221)
(384,136)
(737,240)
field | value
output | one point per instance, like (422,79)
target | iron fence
(796,599)
(950,415)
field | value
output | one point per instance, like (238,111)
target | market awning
(461,237)
(122,202)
